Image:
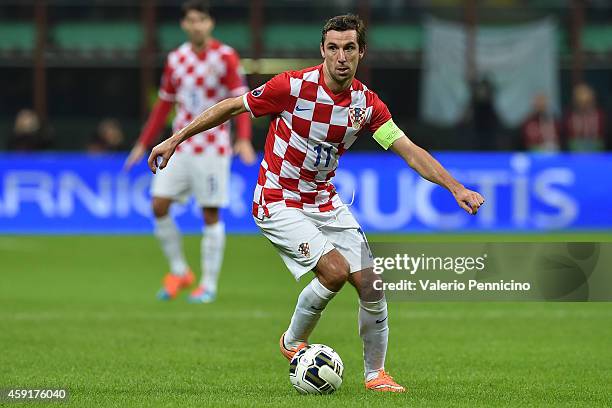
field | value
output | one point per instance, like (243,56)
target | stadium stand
(405,38)
(597,38)
(98,35)
(237,34)
(17,36)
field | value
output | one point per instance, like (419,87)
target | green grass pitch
(80,313)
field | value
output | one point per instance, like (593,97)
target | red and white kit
(193,82)
(295,204)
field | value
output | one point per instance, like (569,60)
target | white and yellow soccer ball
(316,369)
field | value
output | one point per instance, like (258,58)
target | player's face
(341,54)
(198,26)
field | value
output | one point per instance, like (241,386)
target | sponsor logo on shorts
(304,249)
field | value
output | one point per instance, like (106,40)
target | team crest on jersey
(357,116)
(258,91)
(304,249)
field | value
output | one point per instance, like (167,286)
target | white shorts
(204,176)
(301,238)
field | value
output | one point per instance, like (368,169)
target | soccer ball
(316,369)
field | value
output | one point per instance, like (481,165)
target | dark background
(84,85)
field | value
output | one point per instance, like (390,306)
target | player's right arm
(157,117)
(211,117)
(151,130)
(268,99)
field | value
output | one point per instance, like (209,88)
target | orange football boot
(384,383)
(289,353)
(173,284)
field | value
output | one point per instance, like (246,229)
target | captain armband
(387,134)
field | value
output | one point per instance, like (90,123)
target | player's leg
(304,248)
(169,237)
(374,331)
(373,320)
(212,248)
(210,176)
(331,272)
(168,186)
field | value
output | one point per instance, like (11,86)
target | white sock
(212,247)
(170,239)
(374,332)
(311,302)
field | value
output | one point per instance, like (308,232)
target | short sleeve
(380,113)
(385,132)
(234,78)
(270,98)
(167,89)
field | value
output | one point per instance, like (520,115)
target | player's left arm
(388,135)
(429,168)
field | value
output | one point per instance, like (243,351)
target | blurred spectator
(540,131)
(481,117)
(584,124)
(28,134)
(108,138)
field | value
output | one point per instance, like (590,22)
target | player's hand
(245,150)
(136,154)
(164,150)
(469,200)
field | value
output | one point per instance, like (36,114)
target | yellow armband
(387,134)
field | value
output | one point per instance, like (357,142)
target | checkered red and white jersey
(311,128)
(197,81)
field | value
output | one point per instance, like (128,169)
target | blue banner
(77,193)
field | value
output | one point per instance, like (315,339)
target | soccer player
(197,75)
(316,116)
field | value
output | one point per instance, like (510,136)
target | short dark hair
(203,6)
(346,22)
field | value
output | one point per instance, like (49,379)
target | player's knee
(334,272)
(368,285)
(160,209)
(370,293)
(211,216)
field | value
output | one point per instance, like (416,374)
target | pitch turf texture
(80,313)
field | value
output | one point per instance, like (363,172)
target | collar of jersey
(213,43)
(335,97)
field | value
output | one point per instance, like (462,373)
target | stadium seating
(128,36)
(237,35)
(597,39)
(97,35)
(17,36)
(291,37)
(403,38)
(298,37)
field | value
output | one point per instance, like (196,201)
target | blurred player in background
(316,116)
(197,75)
